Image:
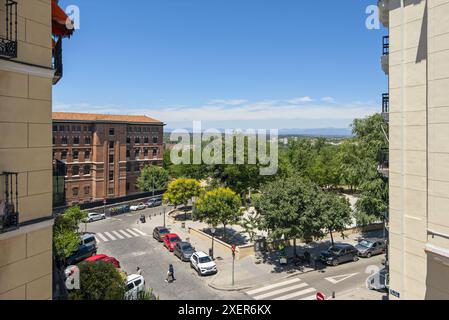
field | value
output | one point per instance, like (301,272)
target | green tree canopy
(152,178)
(336,213)
(181,191)
(99,281)
(218,206)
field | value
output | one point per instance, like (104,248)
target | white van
(134,284)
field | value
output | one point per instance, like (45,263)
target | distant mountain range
(318,132)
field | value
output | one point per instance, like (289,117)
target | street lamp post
(212,230)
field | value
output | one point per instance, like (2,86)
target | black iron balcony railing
(8,40)
(385,103)
(386,45)
(9,213)
(384,162)
(57,61)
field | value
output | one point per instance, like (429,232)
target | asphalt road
(131,242)
(138,250)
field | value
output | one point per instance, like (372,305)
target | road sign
(233,248)
(320,296)
(104,201)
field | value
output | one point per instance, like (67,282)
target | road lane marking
(338,279)
(125,234)
(110,236)
(138,231)
(102,237)
(132,232)
(276,285)
(276,292)
(118,235)
(296,294)
(309,298)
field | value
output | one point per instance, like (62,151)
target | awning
(59,19)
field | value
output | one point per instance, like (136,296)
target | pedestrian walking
(170,274)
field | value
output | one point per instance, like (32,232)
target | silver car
(371,247)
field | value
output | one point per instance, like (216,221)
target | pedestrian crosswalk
(122,234)
(292,289)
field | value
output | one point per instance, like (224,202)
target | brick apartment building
(104,154)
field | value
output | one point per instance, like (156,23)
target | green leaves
(218,206)
(152,178)
(181,191)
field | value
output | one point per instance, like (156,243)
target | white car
(93,216)
(138,207)
(203,264)
(134,284)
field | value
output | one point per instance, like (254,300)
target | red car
(170,240)
(105,258)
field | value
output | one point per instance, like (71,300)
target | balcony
(8,40)
(385,60)
(9,214)
(386,107)
(384,12)
(384,162)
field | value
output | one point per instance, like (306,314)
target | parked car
(170,240)
(183,250)
(94,216)
(88,239)
(339,253)
(371,247)
(83,252)
(203,264)
(153,203)
(159,233)
(137,207)
(120,210)
(105,258)
(134,285)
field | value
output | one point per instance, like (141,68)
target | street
(131,242)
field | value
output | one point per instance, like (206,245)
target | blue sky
(229,63)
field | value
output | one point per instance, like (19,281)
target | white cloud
(328,99)
(227,102)
(300,100)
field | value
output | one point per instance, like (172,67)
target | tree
(181,191)
(373,201)
(218,206)
(336,212)
(152,178)
(289,209)
(99,281)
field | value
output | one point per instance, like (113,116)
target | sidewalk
(362,293)
(251,271)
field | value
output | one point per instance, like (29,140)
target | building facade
(104,154)
(27,73)
(416,59)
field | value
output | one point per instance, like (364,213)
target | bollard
(333,295)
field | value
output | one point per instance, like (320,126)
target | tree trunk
(224,232)
(332,237)
(294,247)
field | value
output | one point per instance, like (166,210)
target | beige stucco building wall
(419,148)
(25,147)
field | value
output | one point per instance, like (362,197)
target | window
(111,131)
(91,128)
(55,128)
(138,129)
(76,140)
(76,155)
(62,128)
(145,129)
(155,152)
(87,155)
(87,140)
(128,153)
(64,140)
(86,170)
(146,140)
(111,175)
(63,155)
(86,190)
(128,167)
(137,153)
(128,140)
(137,140)
(111,191)
(145,152)
(54,140)
(75,192)
(136,168)
(155,129)
(111,158)
(111,144)
(128,185)
(75,171)
(155,139)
